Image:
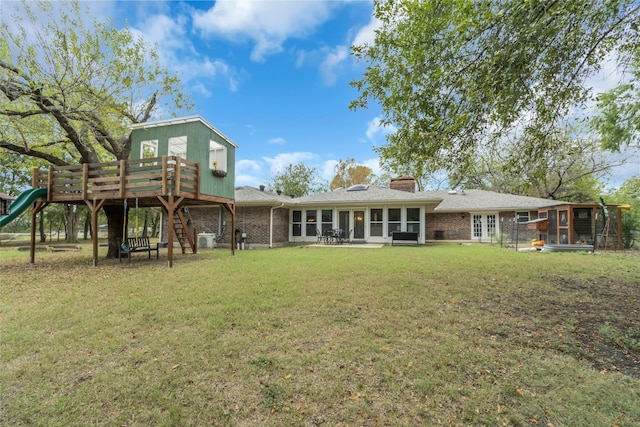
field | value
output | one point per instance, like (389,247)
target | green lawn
(439,335)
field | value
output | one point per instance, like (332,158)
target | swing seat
(136,244)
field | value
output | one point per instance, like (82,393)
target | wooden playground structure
(168,182)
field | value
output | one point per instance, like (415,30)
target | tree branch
(33,153)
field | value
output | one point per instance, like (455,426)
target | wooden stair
(183,233)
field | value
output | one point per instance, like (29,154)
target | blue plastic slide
(21,203)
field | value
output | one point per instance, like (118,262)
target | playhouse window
(217,156)
(178,147)
(149,149)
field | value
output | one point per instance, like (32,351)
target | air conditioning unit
(207,240)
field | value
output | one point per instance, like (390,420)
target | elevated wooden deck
(168,182)
(114,182)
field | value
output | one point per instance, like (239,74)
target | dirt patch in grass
(596,320)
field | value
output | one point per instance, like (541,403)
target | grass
(444,335)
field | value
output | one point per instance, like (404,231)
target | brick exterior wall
(448,226)
(251,220)
(523,232)
(451,226)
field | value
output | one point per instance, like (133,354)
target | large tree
(297,180)
(572,169)
(349,172)
(618,121)
(71,85)
(453,76)
(629,193)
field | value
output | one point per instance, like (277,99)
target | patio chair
(347,237)
(328,236)
(319,236)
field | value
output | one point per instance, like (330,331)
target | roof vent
(358,187)
(453,192)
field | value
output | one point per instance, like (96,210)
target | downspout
(273,208)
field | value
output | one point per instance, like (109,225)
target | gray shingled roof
(478,200)
(254,196)
(371,194)
(444,201)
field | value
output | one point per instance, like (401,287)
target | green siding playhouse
(194,140)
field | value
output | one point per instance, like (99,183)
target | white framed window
(394,220)
(296,220)
(522,216)
(413,220)
(376,222)
(178,147)
(149,149)
(312,223)
(327,219)
(217,156)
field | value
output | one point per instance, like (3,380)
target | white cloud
(278,163)
(332,63)
(328,170)
(266,23)
(374,164)
(278,140)
(374,128)
(366,35)
(177,51)
(248,166)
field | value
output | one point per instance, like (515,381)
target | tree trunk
(155,219)
(146,219)
(43,235)
(87,224)
(71,212)
(116,226)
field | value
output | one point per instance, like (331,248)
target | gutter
(273,208)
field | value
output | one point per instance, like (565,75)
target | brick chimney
(403,183)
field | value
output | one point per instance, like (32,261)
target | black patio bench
(136,244)
(404,236)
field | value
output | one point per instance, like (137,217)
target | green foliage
(571,169)
(16,172)
(458,75)
(348,173)
(298,180)
(618,121)
(70,85)
(629,194)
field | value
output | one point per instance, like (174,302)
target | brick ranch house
(371,213)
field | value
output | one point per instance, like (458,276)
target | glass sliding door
(358,224)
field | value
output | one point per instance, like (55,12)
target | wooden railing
(166,175)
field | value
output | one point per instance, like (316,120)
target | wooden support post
(164,176)
(50,184)
(34,178)
(619,218)
(177,178)
(85,180)
(170,206)
(37,207)
(197,180)
(95,208)
(232,210)
(170,225)
(123,180)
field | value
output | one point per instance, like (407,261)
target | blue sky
(273,75)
